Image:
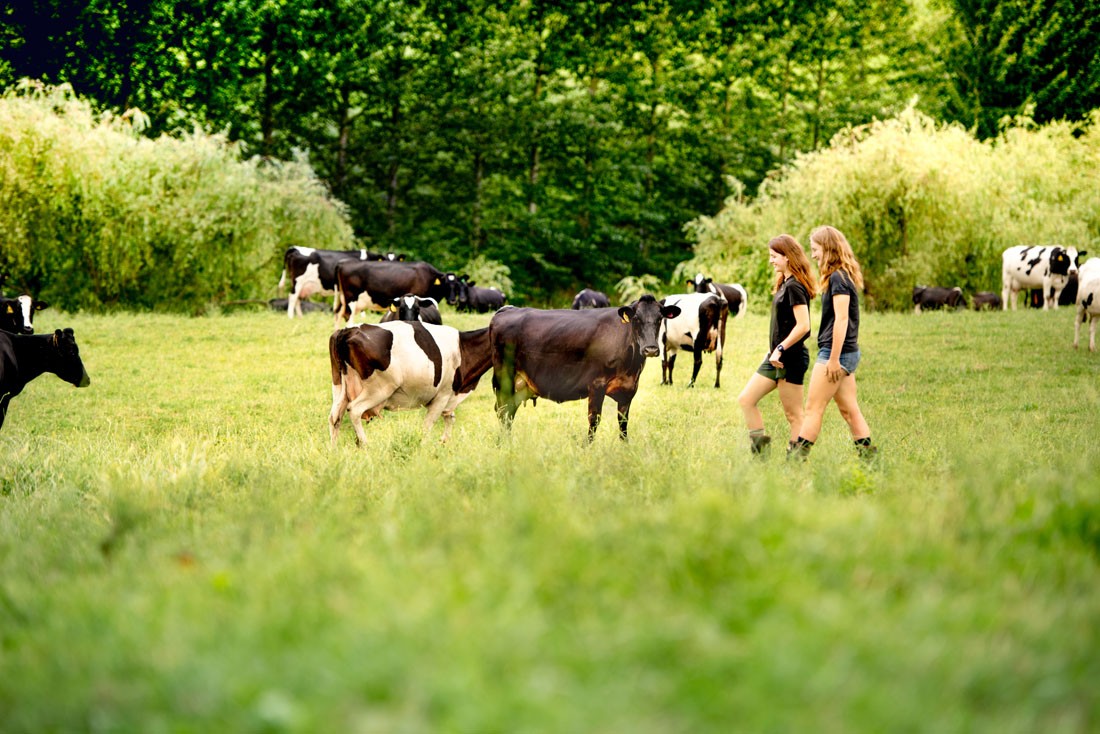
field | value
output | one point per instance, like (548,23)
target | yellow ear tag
(438,281)
(625,318)
(11,310)
(393,308)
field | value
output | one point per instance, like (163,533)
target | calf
(374,285)
(403,365)
(1088,301)
(568,355)
(935,297)
(700,327)
(589,298)
(1027,266)
(413,308)
(986,300)
(734,293)
(25,357)
(480,300)
(17,314)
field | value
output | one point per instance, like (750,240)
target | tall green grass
(181,550)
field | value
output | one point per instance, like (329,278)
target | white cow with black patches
(1027,266)
(1088,301)
(699,327)
(403,365)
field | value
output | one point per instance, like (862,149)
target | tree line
(565,143)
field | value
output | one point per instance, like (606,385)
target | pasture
(181,550)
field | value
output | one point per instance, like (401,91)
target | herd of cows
(591,350)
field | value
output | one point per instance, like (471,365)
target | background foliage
(569,142)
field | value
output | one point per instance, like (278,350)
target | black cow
(568,355)
(589,298)
(17,314)
(986,300)
(475,298)
(413,308)
(374,285)
(25,357)
(933,297)
(734,293)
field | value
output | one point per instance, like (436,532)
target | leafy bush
(921,202)
(94,216)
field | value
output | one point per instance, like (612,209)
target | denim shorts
(848,360)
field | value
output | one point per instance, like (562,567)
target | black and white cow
(312,271)
(566,354)
(17,314)
(986,300)
(1088,301)
(363,286)
(699,327)
(1027,266)
(734,293)
(933,297)
(24,357)
(403,365)
(589,298)
(413,308)
(477,299)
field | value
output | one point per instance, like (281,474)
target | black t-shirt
(839,284)
(790,294)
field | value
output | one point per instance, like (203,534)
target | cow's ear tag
(10,310)
(393,308)
(438,281)
(625,317)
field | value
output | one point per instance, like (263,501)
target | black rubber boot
(800,450)
(760,442)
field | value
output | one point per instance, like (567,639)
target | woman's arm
(801,329)
(833,370)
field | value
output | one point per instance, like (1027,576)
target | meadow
(182,551)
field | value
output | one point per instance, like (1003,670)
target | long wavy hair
(836,254)
(799,264)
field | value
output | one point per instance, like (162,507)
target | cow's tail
(338,354)
(282,281)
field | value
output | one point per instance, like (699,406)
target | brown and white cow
(569,355)
(700,327)
(403,365)
(734,293)
(25,357)
(363,286)
(1027,266)
(17,314)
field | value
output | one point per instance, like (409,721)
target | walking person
(784,367)
(833,377)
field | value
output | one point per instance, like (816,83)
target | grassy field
(182,551)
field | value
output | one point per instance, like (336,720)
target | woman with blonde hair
(833,376)
(784,366)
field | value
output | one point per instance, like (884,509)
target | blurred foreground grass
(180,549)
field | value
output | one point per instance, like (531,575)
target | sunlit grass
(181,550)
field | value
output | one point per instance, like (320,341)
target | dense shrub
(920,202)
(95,216)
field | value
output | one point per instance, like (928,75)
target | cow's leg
(595,407)
(504,385)
(435,410)
(1006,293)
(1092,338)
(448,424)
(339,406)
(671,360)
(1078,319)
(292,302)
(624,416)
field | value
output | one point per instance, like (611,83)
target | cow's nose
(28,330)
(650,351)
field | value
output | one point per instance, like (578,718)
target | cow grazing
(589,298)
(1088,301)
(700,327)
(403,365)
(568,355)
(734,293)
(475,298)
(413,308)
(1026,266)
(363,286)
(25,357)
(984,300)
(17,314)
(931,298)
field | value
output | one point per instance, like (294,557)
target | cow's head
(407,307)
(1065,260)
(451,281)
(17,314)
(66,362)
(917,291)
(699,284)
(644,317)
(464,286)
